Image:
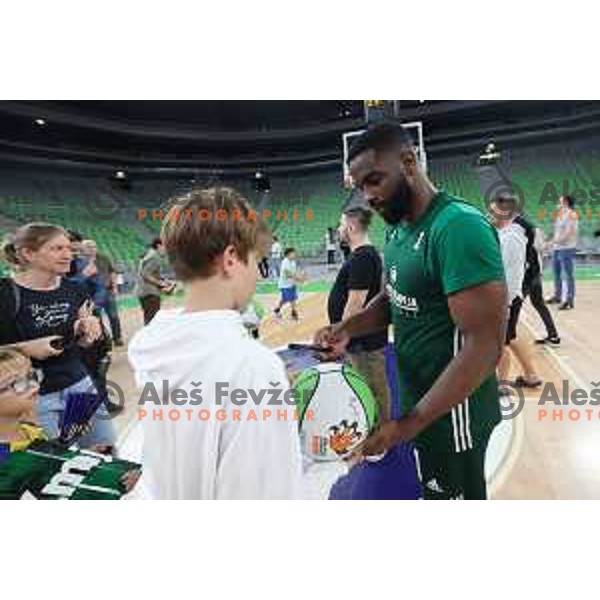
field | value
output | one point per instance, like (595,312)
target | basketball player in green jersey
(445,296)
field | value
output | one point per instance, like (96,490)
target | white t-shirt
(513,244)
(218,457)
(566,224)
(329,244)
(276,250)
(289,268)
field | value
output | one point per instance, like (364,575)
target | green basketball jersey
(450,248)
(47,471)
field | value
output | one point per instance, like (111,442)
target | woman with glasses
(50,319)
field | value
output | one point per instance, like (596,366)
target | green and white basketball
(336,409)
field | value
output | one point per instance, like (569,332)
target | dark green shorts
(452,476)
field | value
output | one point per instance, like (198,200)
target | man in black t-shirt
(357,283)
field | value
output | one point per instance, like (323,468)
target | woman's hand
(90,270)
(40,348)
(87,327)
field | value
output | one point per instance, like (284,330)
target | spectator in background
(276,256)
(532,281)
(104,284)
(566,228)
(38,303)
(119,282)
(77,263)
(288,280)
(330,246)
(357,283)
(513,244)
(150,284)
(263,267)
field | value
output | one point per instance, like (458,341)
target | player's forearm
(466,372)
(355,303)
(351,309)
(373,318)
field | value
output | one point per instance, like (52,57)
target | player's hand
(40,348)
(334,338)
(385,437)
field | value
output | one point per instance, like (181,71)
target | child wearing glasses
(19,387)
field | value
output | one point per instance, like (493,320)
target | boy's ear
(229,255)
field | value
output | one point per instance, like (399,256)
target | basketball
(336,410)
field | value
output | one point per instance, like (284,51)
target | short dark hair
(288,251)
(570,200)
(380,137)
(508,202)
(155,243)
(360,214)
(74,236)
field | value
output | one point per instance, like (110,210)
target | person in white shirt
(202,352)
(330,246)
(566,227)
(276,256)
(513,244)
(289,278)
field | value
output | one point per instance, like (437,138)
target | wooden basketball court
(544,459)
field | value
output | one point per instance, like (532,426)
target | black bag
(9,307)
(97,357)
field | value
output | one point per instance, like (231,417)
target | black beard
(396,207)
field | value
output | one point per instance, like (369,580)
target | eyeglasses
(32,379)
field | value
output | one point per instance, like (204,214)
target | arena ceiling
(195,136)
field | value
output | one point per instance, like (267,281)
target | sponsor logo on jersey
(408,305)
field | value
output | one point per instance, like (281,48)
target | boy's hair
(74,236)
(380,137)
(12,360)
(289,251)
(155,243)
(192,242)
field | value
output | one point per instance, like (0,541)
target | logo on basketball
(344,437)
(504,190)
(344,411)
